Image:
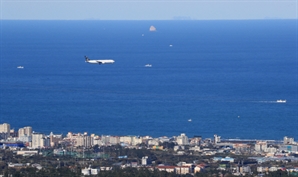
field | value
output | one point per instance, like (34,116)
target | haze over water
(223,75)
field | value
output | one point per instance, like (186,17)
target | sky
(147,9)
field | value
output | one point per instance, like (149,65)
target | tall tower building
(216,139)
(37,140)
(5,128)
(26,131)
(182,139)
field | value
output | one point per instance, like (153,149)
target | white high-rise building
(288,140)
(182,139)
(5,128)
(87,141)
(38,140)
(216,139)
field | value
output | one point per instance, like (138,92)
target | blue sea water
(223,75)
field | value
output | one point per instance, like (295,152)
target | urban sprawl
(81,154)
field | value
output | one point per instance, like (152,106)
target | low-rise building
(289,148)
(146,161)
(169,169)
(27,153)
(182,170)
(90,171)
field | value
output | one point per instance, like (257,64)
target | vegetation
(66,165)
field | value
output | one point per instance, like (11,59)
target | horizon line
(147,19)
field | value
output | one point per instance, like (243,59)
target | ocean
(223,75)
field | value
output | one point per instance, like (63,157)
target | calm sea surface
(223,75)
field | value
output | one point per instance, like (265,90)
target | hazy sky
(148,9)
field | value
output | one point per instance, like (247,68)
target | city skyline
(147,10)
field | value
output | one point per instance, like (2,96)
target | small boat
(148,65)
(20,67)
(189,120)
(152,28)
(281,101)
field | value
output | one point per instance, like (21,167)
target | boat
(189,120)
(281,101)
(148,65)
(20,67)
(152,28)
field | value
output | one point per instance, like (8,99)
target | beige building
(27,153)
(54,139)
(183,170)
(26,131)
(79,139)
(38,140)
(5,128)
(131,140)
(169,169)
(261,146)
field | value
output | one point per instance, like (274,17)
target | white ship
(20,67)
(148,65)
(281,101)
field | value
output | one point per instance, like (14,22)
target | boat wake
(277,101)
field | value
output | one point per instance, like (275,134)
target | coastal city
(86,154)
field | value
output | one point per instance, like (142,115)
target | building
(25,134)
(242,148)
(261,146)
(110,140)
(289,148)
(262,169)
(4,131)
(196,140)
(216,139)
(195,148)
(182,139)
(27,153)
(182,170)
(5,128)
(54,139)
(131,140)
(26,131)
(40,141)
(169,169)
(271,149)
(228,159)
(153,142)
(96,140)
(288,140)
(146,161)
(79,139)
(25,138)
